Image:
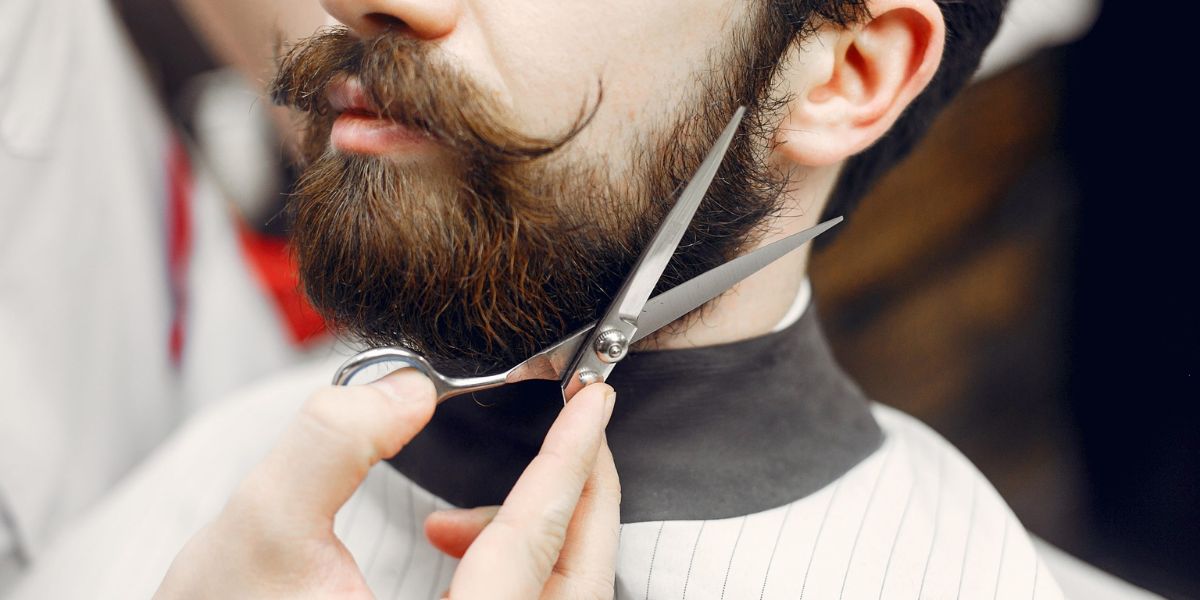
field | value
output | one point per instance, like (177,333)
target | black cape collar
(699,433)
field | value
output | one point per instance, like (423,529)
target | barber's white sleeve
(111,242)
(123,547)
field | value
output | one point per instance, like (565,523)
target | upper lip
(347,95)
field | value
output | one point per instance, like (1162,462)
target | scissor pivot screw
(611,346)
(587,377)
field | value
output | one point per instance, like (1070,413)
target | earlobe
(850,85)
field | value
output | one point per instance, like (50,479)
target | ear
(849,85)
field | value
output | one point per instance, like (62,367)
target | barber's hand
(554,537)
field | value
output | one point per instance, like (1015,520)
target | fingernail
(610,400)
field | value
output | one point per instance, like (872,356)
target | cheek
(550,58)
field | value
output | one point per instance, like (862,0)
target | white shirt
(86,302)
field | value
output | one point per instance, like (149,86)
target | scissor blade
(669,306)
(663,309)
(608,343)
(633,295)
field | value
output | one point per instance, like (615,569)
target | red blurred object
(179,240)
(272,263)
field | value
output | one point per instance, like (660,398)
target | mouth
(360,129)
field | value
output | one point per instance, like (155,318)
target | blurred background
(1025,282)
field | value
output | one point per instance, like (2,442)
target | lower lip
(368,134)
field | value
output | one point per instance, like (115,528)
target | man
(481,175)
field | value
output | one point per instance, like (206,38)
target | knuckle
(541,558)
(614,489)
(330,405)
(565,464)
(331,411)
(325,406)
(364,414)
(538,539)
(603,487)
(320,414)
(543,552)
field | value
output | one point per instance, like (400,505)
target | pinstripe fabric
(913,520)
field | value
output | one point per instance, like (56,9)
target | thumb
(327,449)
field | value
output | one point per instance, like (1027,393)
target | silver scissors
(589,354)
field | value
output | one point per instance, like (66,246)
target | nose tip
(422,19)
(385,21)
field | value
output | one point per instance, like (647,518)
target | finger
(453,531)
(325,452)
(586,567)
(514,555)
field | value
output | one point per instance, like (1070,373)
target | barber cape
(125,301)
(753,469)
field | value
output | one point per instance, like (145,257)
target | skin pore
(837,91)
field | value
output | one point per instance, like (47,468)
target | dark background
(1025,283)
(1135,341)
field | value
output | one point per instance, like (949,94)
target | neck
(754,306)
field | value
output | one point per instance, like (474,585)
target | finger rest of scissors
(445,386)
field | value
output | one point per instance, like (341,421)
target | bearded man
(478,179)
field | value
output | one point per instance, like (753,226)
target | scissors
(589,354)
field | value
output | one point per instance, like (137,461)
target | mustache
(406,81)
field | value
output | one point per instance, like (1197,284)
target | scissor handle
(445,387)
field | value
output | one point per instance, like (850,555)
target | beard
(513,244)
